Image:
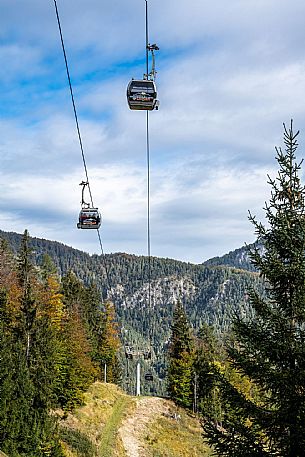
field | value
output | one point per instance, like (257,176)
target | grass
(91,431)
(108,439)
(169,437)
(79,442)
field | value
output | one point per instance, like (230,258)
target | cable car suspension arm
(84,184)
(152,75)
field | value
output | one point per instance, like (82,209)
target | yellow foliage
(238,380)
(53,306)
(111,327)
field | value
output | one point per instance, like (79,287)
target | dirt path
(134,426)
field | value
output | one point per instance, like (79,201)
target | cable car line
(83,183)
(148,208)
(72,99)
(142,95)
(148,162)
(150,79)
(146,34)
(152,75)
(149,76)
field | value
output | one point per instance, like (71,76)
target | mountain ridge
(145,293)
(237,258)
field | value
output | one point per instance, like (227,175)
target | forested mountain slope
(239,258)
(209,293)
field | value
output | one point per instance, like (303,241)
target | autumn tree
(26,426)
(77,370)
(269,349)
(110,343)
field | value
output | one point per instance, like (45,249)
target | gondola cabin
(142,95)
(129,352)
(148,377)
(147,355)
(89,218)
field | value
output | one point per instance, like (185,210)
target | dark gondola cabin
(89,218)
(147,355)
(142,95)
(148,377)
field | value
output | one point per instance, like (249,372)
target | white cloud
(229,74)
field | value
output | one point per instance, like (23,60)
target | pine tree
(181,352)
(208,353)
(26,426)
(28,304)
(270,347)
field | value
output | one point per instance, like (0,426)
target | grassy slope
(92,431)
(170,437)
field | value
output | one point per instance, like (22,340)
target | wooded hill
(211,292)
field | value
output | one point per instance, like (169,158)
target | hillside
(112,424)
(238,258)
(210,293)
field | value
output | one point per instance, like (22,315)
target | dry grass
(91,431)
(170,437)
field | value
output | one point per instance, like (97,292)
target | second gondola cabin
(89,218)
(148,377)
(142,95)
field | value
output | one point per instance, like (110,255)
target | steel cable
(80,140)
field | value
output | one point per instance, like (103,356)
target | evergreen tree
(28,304)
(26,426)
(208,352)
(270,347)
(181,352)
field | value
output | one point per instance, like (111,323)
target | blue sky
(229,74)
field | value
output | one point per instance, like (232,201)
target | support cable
(146,33)
(148,171)
(148,208)
(73,102)
(80,139)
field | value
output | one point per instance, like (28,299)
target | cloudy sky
(229,74)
